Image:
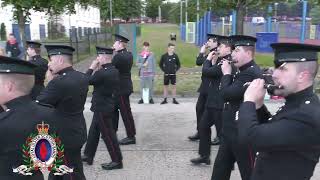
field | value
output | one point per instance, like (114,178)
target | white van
(258,20)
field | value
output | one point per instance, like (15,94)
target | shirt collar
(18,101)
(246,66)
(65,70)
(299,96)
(106,65)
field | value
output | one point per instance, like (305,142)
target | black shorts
(169,78)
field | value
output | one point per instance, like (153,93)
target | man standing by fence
(169,64)
(123,61)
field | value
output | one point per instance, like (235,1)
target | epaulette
(44,104)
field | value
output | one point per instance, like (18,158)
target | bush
(315,15)
(3,33)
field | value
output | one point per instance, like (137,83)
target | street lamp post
(159,12)
(275,11)
(186,11)
(181,12)
(111,19)
(198,9)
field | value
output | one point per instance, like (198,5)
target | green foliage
(315,15)
(3,33)
(22,9)
(165,10)
(152,8)
(120,8)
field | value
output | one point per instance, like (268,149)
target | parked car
(258,20)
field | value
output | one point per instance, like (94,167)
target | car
(258,20)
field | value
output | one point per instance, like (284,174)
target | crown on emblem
(43,128)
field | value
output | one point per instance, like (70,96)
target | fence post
(197,33)
(209,22)
(204,35)
(234,22)
(205,24)
(88,37)
(70,36)
(134,48)
(96,36)
(181,31)
(77,44)
(105,36)
(201,31)
(269,18)
(303,26)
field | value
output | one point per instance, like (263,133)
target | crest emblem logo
(44,152)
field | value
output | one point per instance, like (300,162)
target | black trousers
(72,159)
(102,123)
(210,117)
(123,105)
(200,107)
(228,154)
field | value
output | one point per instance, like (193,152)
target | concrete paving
(162,151)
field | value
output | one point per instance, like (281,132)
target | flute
(229,62)
(266,86)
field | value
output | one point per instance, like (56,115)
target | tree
(174,13)
(132,9)
(166,10)
(315,15)
(3,33)
(240,7)
(120,8)
(104,9)
(22,9)
(152,8)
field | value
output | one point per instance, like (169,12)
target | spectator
(170,64)
(12,47)
(147,66)
(2,52)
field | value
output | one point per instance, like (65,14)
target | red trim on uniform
(252,158)
(107,135)
(126,113)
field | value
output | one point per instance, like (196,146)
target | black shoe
(151,101)
(87,159)
(216,141)
(127,141)
(164,101)
(112,165)
(199,160)
(140,101)
(194,137)
(174,101)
